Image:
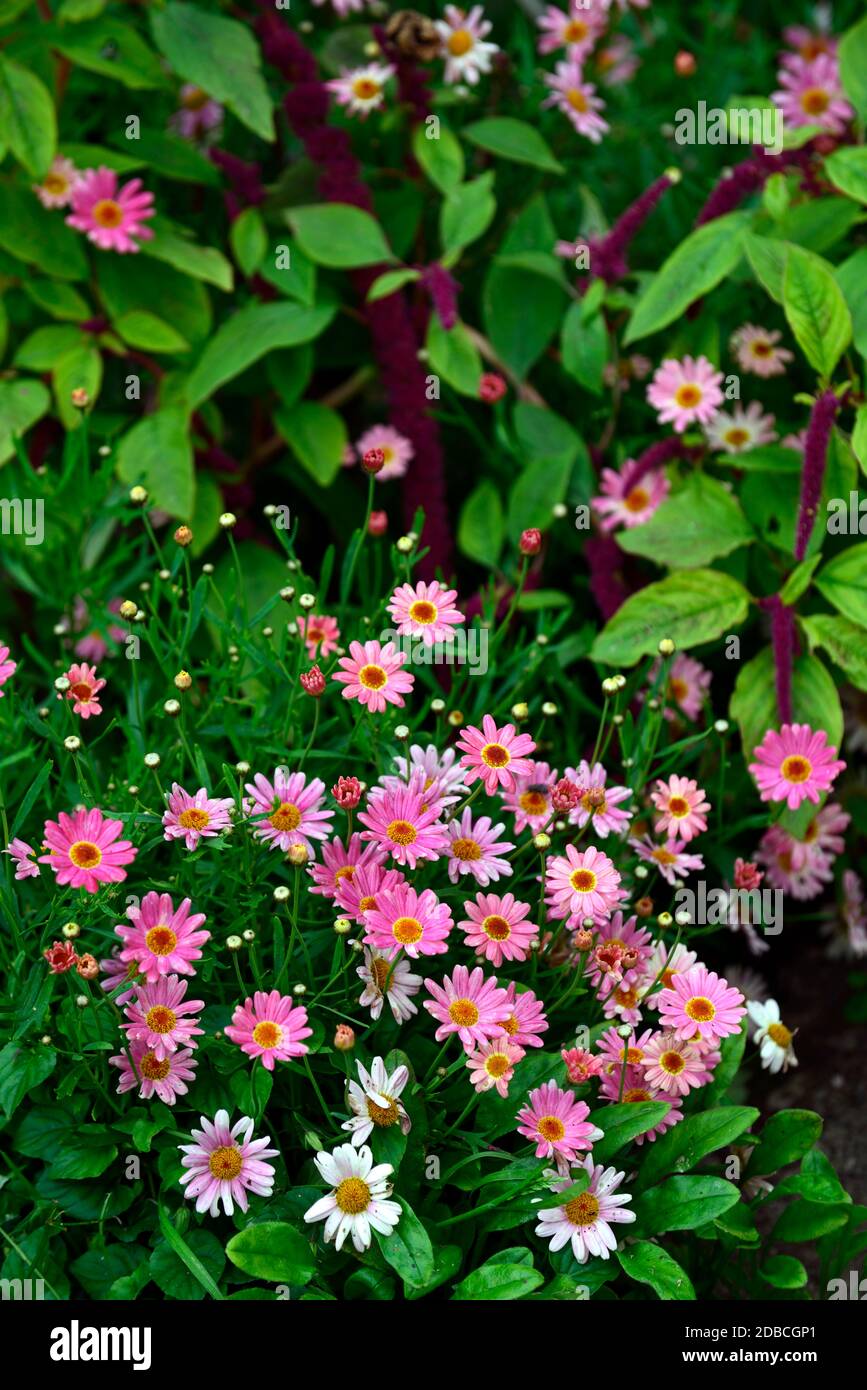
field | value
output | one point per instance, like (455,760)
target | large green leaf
(440,156)
(27,121)
(408,1248)
(690,607)
(853,66)
(700,262)
(453,355)
(219,55)
(787,1136)
(339,235)
(31,234)
(538,488)
(815,700)
(111,49)
(650,1264)
(481,528)
(22,403)
(624,1121)
(847,169)
(157,453)
(248,335)
(202,262)
(496,1281)
(22,1069)
(466,214)
(584,347)
(317,436)
(682,1204)
(684,1145)
(512,139)
(817,313)
(843,582)
(273,1250)
(844,641)
(701,522)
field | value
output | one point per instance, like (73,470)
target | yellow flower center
(383,1116)
(400,832)
(636,499)
(796,769)
(576,99)
(226,1162)
(286,817)
(85,855)
(423,612)
(663,856)
(737,437)
(636,1094)
(815,101)
(678,689)
(107,213)
(372,677)
(367,904)
(583,1210)
(688,395)
(583,880)
(672,1062)
(194,818)
(761,348)
(268,1034)
(466,850)
(152,1070)
(161,940)
(510,1025)
(407,930)
(365,88)
(678,807)
(575,31)
(700,1009)
(459,43)
(55,183)
(497,928)
(551,1127)
(497,1064)
(534,803)
(161,1019)
(495,755)
(352,1196)
(780,1034)
(464,1013)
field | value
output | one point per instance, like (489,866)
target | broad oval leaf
(273,1250)
(650,1264)
(691,607)
(512,139)
(701,260)
(339,235)
(700,522)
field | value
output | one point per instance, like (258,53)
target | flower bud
(344,1037)
(531,541)
(183,535)
(297,855)
(183,680)
(313,682)
(492,388)
(373,461)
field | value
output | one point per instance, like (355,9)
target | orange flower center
(534,803)
(55,183)
(423,612)
(226,1163)
(576,99)
(352,1196)
(466,849)
(497,1064)
(407,930)
(779,1033)
(365,88)
(575,31)
(688,395)
(509,1025)
(383,1117)
(583,880)
(796,769)
(464,1013)
(495,755)
(635,1095)
(107,213)
(636,499)
(678,689)
(372,677)
(551,1127)
(161,940)
(380,970)
(672,1062)
(400,832)
(195,99)
(815,101)
(663,856)
(459,43)
(82,691)
(85,855)
(700,1009)
(497,928)
(268,1034)
(152,1070)
(160,1019)
(583,1210)
(194,818)
(678,806)
(366,904)
(737,437)
(286,817)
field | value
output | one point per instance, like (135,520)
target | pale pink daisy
(162,940)
(358,1202)
(389,979)
(778,851)
(373,676)
(746,428)
(577,99)
(583,884)
(530,799)
(699,1001)
(425,610)
(192,818)
(340,864)
(557,1124)
(467,1003)
(288,810)
(585,1221)
(417,923)
(84,688)
(498,928)
(662,967)
(320,633)
(359,894)
(599,803)
(111,218)
(809,43)
(463,35)
(685,392)
(682,808)
(198,114)
(576,30)
(7,667)
(21,855)
(164,1078)
(270,1026)
(56,187)
(810,93)
(93,645)
(617,61)
(225,1163)
(361,90)
(795,764)
(825,832)
(616,1052)
(376,1102)
(672,1065)
(119,972)
(580,1064)
(525,1020)
(159,1017)
(625,1002)
(442,777)
(492,1064)
(84,849)
(669,858)
(622,504)
(495,755)
(398,822)
(398,450)
(757,352)
(687,686)
(474,848)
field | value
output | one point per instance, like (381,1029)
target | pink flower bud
(61,957)
(531,541)
(313,682)
(492,388)
(347,792)
(373,461)
(344,1037)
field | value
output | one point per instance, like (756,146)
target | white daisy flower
(358,1200)
(775,1039)
(462,35)
(585,1220)
(742,430)
(387,979)
(362,89)
(376,1104)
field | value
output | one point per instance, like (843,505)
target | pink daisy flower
(403,919)
(617,62)
(530,800)
(599,803)
(620,504)
(224,1164)
(825,831)
(164,1077)
(119,972)
(22,856)
(463,36)
(320,633)
(58,185)
(778,852)
(110,217)
(373,676)
(685,392)
(664,965)
(397,822)
(585,1221)
(580,1064)
(495,755)
(340,865)
(699,1001)
(93,645)
(557,1124)
(359,894)
(469,1004)
(361,90)
(425,610)
(492,1064)
(389,979)
(399,451)
(757,352)
(811,93)
(287,811)
(498,928)
(84,688)
(576,30)
(807,43)
(475,849)
(7,667)
(583,884)
(577,99)
(192,818)
(160,1018)
(681,805)
(270,1026)
(613,941)
(83,849)
(442,779)
(688,684)
(162,940)
(795,764)
(669,858)
(525,1020)
(198,114)
(672,1065)
(742,430)
(615,1052)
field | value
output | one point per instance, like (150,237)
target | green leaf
(79,366)
(538,488)
(441,158)
(843,582)
(172,157)
(783,1272)
(466,213)
(690,607)
(317,436)
(519,337)
(408,1248)
(624,1121)
(453,355)
(273,1250)
(112,50)
(493,1282)
(650,1264)
(799,580)
(41,350)
(511,139)
(390,283)
(809,1221)
(21,1071)
(57,299)
(816,310)
(767,258)
(157,453)
(249,334)
(815,700)
(447,1262)
(859,437)
(481,527)
(684,1145)
(202,262)
(200,1253)
(82,1156)
(853,66)
(682,1204)
(339,235)
(248,240)
(767,458)
(699,523)
(27,121)
(847,169)
(844,641)
(785,1138)
(219,55)
(142,329)
(738,1222)
(701,261)
(584,348)
(31,234)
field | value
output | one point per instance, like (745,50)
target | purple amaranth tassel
(608,254)
(443,290)
(783,641)
(822,418)
(748,177)
(605,561)
(656,456)
(412,84)
(246,180)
